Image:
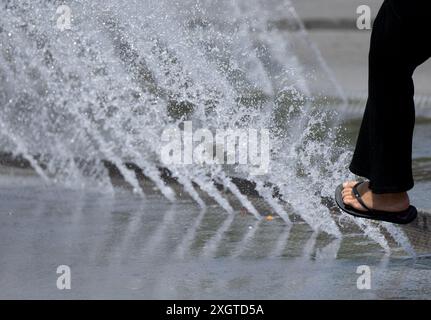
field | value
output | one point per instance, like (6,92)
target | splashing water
(126,70)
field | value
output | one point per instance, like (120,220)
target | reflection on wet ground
(124,246)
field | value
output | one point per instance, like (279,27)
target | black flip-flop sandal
(402,217)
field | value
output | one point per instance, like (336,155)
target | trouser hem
(378,189)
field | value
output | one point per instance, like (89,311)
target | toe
(346,192)
(349,184)
(349,200)
(349,197)
(353,202)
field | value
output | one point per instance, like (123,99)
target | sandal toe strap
(359,197)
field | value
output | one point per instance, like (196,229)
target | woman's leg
(384,147)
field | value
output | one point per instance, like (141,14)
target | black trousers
(400,42)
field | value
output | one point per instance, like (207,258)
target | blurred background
(332,26)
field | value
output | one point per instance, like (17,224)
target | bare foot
(390,202)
